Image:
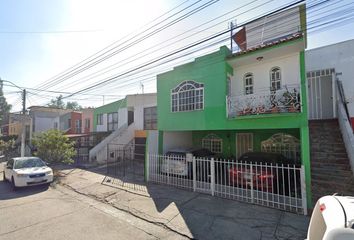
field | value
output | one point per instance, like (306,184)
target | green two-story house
(250,99)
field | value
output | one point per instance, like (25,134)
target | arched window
(275,78)
(187,96)
(283,143)
(248,83)
(213,143)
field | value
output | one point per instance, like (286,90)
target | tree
(5,146)
(73,106)
(4,107)
(57,102)
(54,147)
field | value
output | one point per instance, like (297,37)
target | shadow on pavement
(192,214)
(6,191)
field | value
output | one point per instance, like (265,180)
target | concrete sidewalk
(190,214)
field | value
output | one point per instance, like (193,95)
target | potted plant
(291,100)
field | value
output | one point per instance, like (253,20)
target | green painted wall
(108,108)
(229,138)
(212,70)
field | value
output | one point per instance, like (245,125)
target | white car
(177,162)
(332,219)
(27,171)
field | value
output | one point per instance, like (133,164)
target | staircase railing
(344,124)
(102,146)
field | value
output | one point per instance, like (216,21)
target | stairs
(330,167)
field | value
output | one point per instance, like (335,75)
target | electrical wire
(92,62)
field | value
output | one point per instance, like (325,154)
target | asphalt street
(59,213)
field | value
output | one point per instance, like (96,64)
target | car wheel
(3,177)
(13,184)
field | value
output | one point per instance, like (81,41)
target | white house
(324,65)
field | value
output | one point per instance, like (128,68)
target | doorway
(321,100)
(244,143)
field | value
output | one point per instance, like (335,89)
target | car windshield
(29,163)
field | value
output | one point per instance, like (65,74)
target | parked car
(332,219)
(177,163)
(27,171)
(263,174)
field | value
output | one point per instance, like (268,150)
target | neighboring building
(251,100)
(127,121)
(324,65)
(15,123)
(330,72)
(71,122)
(46,118)
(87,120)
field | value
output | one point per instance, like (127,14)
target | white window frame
(274,79)
(100,119)
(112,121)
(189,89)
(248,87)
(213,143)
(150,118)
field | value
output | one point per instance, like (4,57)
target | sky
(40,39)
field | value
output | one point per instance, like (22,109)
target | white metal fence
(273,185)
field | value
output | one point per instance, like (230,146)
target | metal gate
(125,163)
(321,100)
(274,185)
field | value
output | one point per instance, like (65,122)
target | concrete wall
(43,124)
(138,103)
(347,135)
(43,118)
(122,117)
(177,140)
(289,67)
(339,56)
(153,141)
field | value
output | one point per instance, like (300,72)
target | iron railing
(273,185)
(265,101)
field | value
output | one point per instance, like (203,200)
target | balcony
(265,101)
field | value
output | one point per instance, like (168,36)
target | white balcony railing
(266,101)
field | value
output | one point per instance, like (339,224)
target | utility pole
(231,33)
(23,135)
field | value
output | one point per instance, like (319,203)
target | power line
(173,53)
(197,9)
(152,49)
(112,44)
(343,18)
(146,54)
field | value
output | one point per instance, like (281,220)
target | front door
(244,143)
(320,94)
